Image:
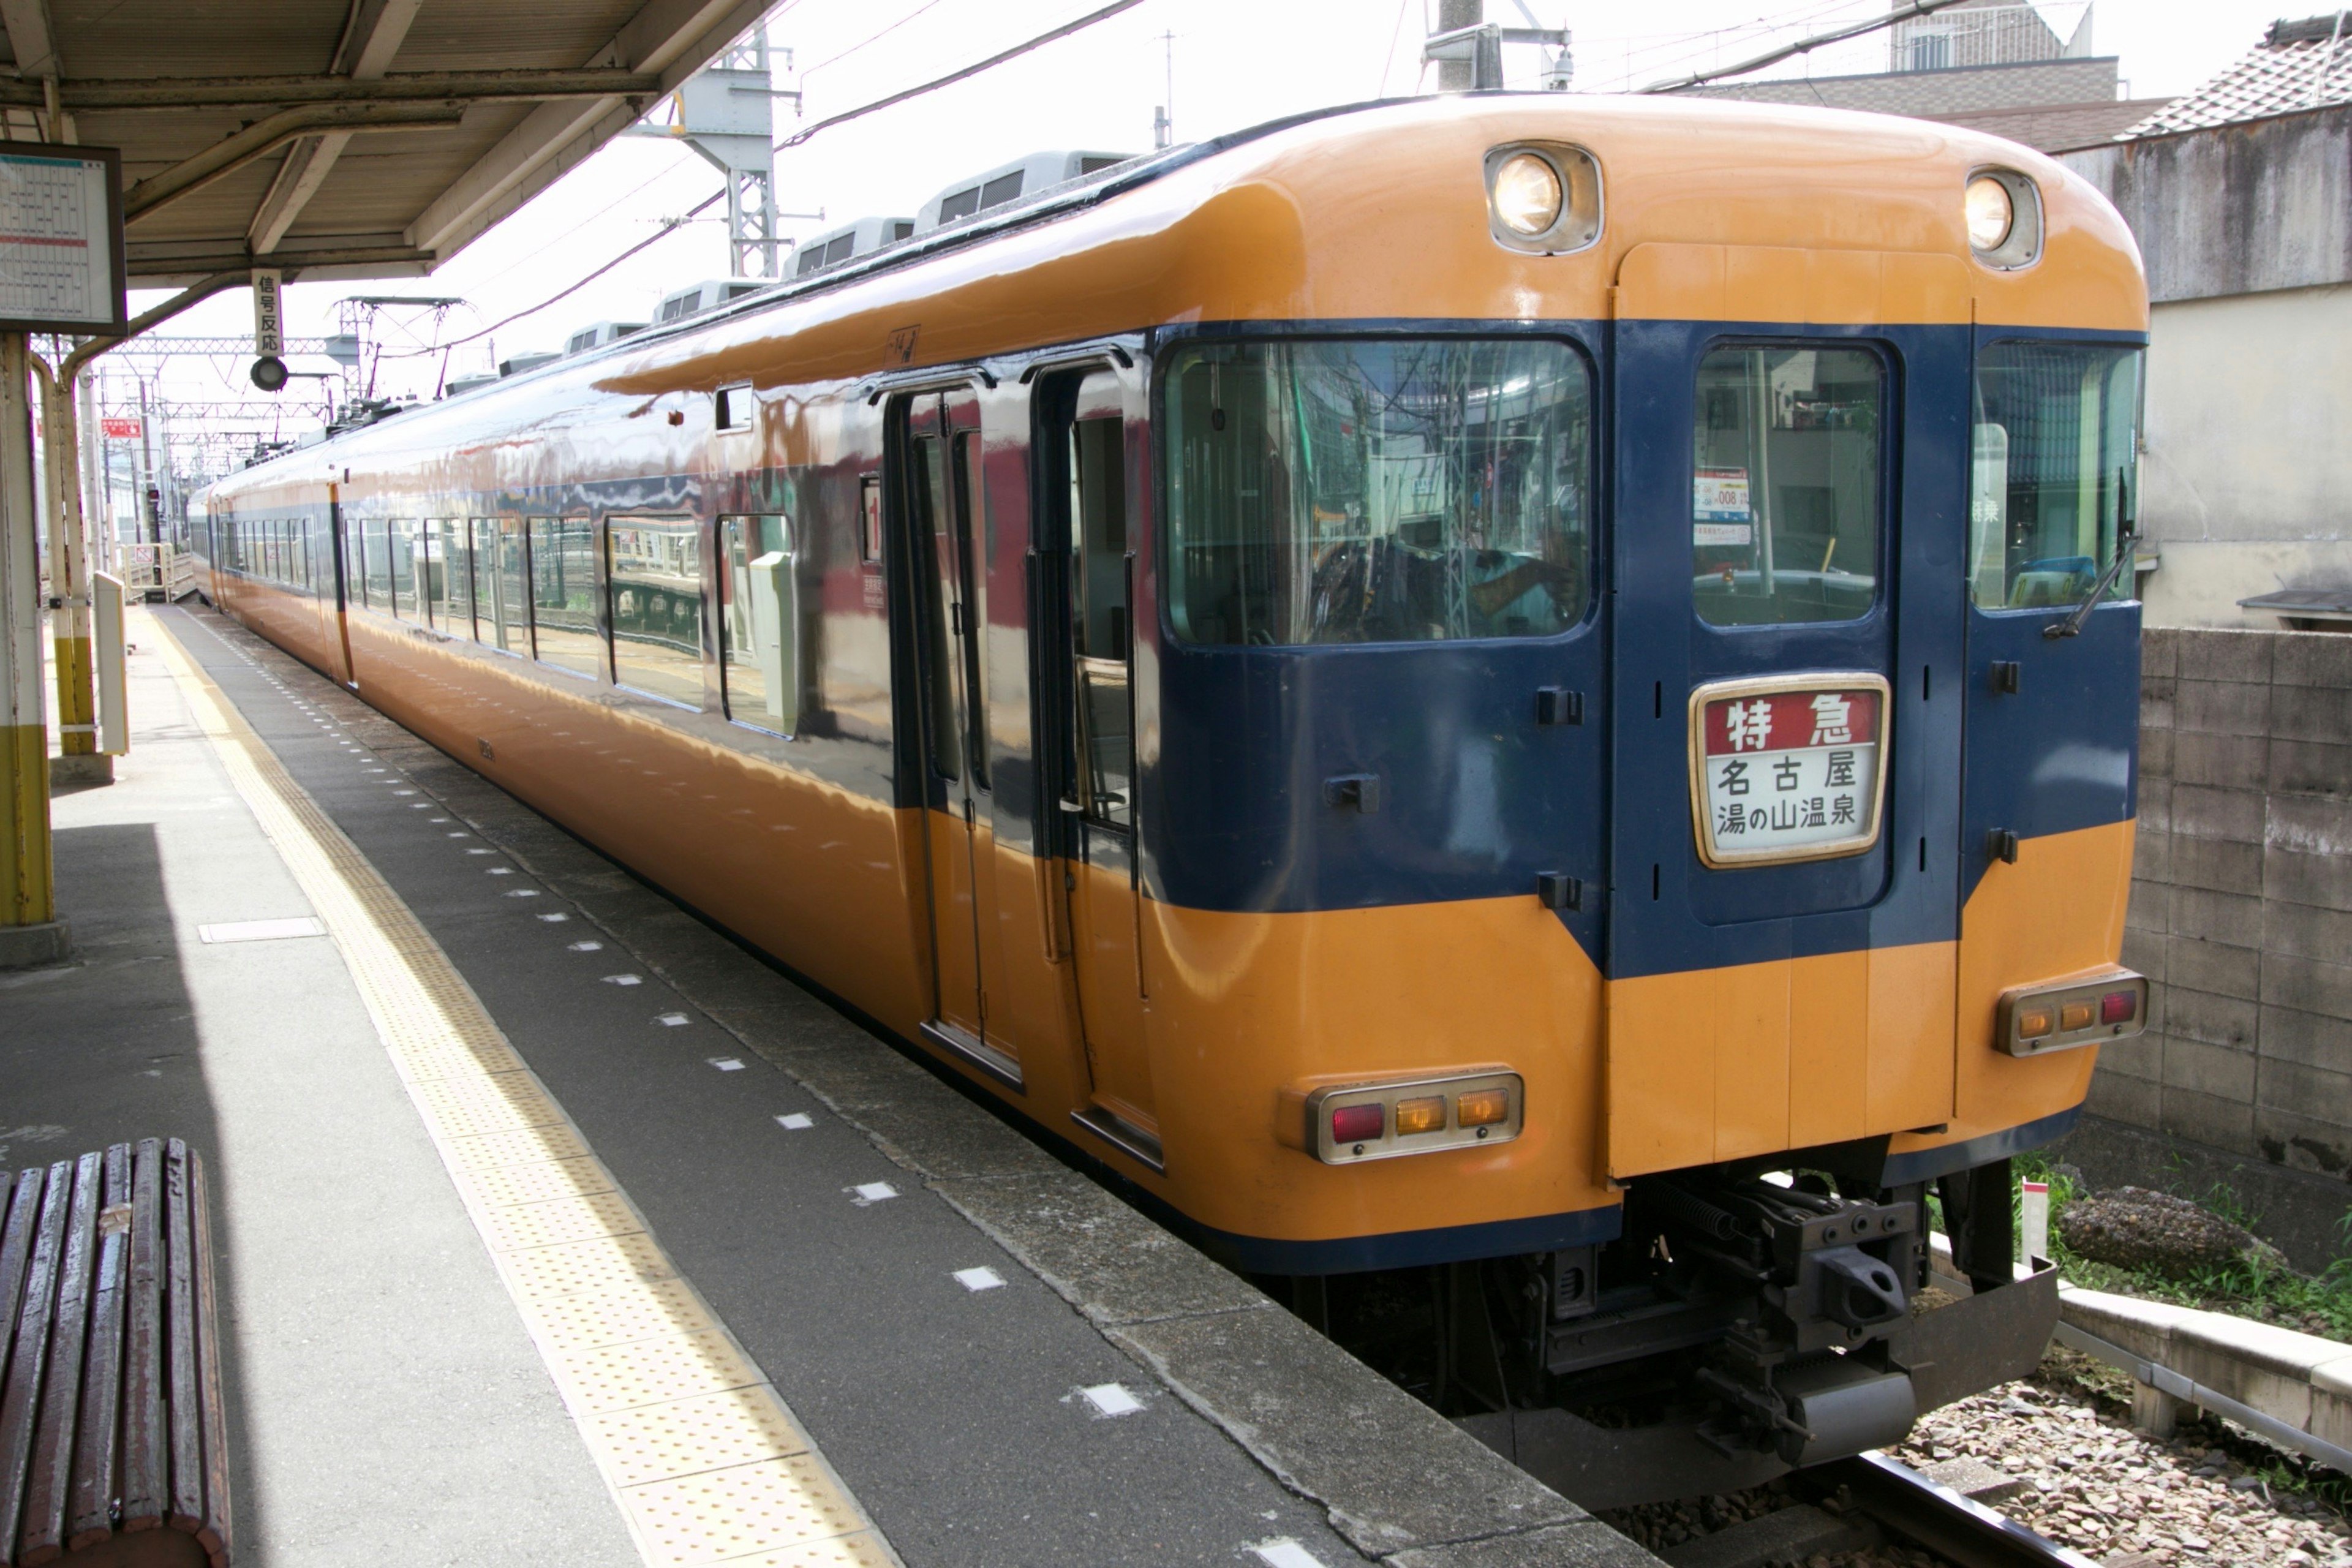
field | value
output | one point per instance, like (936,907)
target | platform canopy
(339,138)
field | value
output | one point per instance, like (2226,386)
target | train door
(1781,958)
(1091,640)
(336,597)
(941,493)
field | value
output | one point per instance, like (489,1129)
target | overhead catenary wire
(1804,45)
(990,63)
(1064,31)
(557,299)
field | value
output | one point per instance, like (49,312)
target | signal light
(1484,1106)
(1346,1123)
(2037,1018)
(1358,1123)
(1427,1114)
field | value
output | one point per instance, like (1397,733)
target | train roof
(1377,212)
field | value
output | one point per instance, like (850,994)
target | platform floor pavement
(385,1398)
(387,1390)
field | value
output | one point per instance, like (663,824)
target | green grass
(2315,1304)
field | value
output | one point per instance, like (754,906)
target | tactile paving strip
(534,1182)
(707,1462)
(730,1426)
(516,1226)
(732,1513)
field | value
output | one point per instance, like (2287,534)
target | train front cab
(1416,789)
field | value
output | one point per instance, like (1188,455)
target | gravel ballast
(2090,1482)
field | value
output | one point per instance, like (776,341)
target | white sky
(1235,63)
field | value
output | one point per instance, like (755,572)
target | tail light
(1380,1121)
(2037,1018)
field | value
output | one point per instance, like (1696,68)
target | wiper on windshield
(2126,549)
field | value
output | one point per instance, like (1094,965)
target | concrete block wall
(2242,900)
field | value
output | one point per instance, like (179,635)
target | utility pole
(1461,75)
(147,509)
(1468,49)
(1163,119)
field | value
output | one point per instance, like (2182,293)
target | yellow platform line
(702,1455)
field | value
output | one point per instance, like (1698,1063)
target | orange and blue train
(1526,691)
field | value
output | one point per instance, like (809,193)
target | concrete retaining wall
(2241,902)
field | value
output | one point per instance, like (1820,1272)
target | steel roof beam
(265,136)
(162,93)
(34,40)
(366,56)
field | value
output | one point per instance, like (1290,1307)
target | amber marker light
(1347,1123)
(1991,212)
(1425,1113)
(2056,1018)
(1483,1108)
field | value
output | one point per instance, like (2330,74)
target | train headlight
(1543,196)
(1990,212)
(1527,193)
(2002,210)
(2080,1012)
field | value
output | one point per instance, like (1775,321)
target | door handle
(1361,791)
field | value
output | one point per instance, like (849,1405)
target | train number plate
(1789,768)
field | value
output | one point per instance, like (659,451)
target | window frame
(701,535)
(724,563)
(2127,584)
(1159,519)
(1890,478)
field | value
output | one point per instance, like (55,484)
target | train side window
(1392,490)
(927,494)
(564,593)
(444,561)
(2055,471)
(1786,458)
(512,588)
(655,570)
(1100,580)
(483,563)
(760,626)
(404,568)
(354,563)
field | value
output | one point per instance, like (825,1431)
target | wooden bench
(112,1441)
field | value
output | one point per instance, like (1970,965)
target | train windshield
(1785,491)
(2055,469)
(1388,491)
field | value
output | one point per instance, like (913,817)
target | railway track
(1958,1528)
(1861,1506)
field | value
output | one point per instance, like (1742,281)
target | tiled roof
(2298,65)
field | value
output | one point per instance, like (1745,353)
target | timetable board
(61,267)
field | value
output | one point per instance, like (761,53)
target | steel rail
(1932,1515)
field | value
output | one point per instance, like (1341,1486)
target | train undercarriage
(1748,1321)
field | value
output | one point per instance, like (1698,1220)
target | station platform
(555,1227)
